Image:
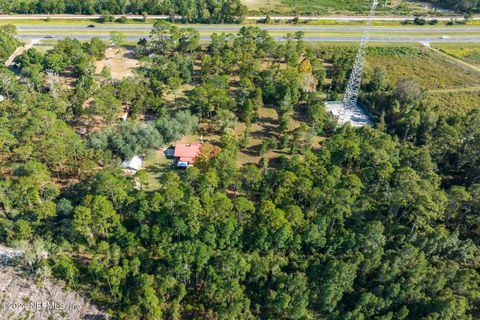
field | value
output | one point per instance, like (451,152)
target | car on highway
(444,37)
(49,36)
(91,26)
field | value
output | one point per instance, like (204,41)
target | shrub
(122,19)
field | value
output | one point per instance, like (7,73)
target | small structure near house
(185,153)
(169,152)
(2,98)
(133,165)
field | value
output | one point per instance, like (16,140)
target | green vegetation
(325,221)
(323,7)
(432,70)
(469,54)
(316,6)
(8,43)
(224,11)
(450,103)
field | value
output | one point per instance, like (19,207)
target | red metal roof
(187,152)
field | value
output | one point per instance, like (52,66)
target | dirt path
(454,60)
(19,51)
(466,89)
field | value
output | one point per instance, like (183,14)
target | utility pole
(353,88)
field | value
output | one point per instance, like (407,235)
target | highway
(313,33)
(228,28)
(460,39)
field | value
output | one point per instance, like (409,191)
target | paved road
(335,18)
(213,28)
(459,39)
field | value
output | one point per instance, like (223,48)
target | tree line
(8,43)
(209,11)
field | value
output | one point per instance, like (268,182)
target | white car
(444,37)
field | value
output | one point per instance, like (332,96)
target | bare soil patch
(120,63)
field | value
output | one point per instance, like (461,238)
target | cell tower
(353,89)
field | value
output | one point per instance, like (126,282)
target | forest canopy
(376,222)
(222,11)
(8,43)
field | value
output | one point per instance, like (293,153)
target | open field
(432,70)
(467,53)
(264,5)
(316,7)
(455,102)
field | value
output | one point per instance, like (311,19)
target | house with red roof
(185,153)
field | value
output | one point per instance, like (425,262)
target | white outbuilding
(133,165)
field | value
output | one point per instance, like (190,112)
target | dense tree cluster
(378,223)
(8,43)
(131,138)
(407,112)
(209,11)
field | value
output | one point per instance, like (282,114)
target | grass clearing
(318,7)
(432,70)
(451,103)
(156,165)
(264,5)
(467,53)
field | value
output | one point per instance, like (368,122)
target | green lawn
(156,166)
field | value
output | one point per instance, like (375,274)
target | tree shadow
(129,55)
(252,151)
